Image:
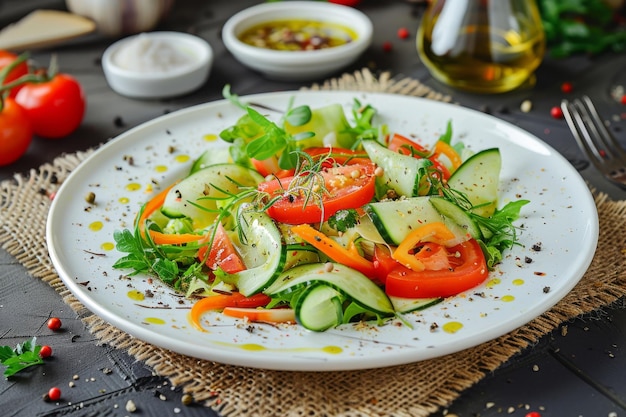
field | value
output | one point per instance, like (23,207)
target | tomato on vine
(15,131)
(55,106)
(19,70)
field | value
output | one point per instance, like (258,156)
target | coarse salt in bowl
(157,64)
(298,65)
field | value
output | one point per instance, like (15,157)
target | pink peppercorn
(556,112)
(403,33)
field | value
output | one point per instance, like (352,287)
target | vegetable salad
(319,220)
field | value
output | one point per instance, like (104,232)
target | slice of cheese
(43,28)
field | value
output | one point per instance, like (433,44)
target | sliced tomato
(339,156)
(222,253)
(406,146)
(383,263)
(468,269)
(346,187)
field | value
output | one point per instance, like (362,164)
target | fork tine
(616,150)
(577,126)
(586,124)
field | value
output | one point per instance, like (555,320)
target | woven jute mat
(417,389)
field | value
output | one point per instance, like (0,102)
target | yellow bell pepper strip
(432,232)
(442,148)
(349,257)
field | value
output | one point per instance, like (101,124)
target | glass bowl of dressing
(297,40)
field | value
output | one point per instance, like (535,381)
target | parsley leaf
(21,357)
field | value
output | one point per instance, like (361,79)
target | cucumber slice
(195,196)
(401,173)
(300,256)
(394,220)
(263,252)
(319,307)
(406,305)
(478,179)
(210,157)
(349,282)
(457,215)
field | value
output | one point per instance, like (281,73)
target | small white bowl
(157,64)
(297,65)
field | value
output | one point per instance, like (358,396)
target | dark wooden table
(577,374)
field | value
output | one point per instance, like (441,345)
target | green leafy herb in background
(581,26)
(21,357)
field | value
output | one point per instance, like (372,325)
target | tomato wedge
(346,187)
(468,269)
(222,253)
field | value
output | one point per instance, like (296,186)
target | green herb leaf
(21,357)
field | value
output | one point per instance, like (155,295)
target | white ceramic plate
(125,173)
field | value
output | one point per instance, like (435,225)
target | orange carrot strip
(270,315)
(151,206)
(173,238)
(220,301)
(332,249)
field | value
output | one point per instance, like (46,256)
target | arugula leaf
(503,232)
(21,357)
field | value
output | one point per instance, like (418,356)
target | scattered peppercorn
(533,414)
(623,99)
(187,399)
(556,112)
(45,352)
(54,394)
(90,197)
(403,33)
(567,87)
(54,323)
(387,47)
(130,406)
(119,122)
(526,106)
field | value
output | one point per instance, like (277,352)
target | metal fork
(595,140)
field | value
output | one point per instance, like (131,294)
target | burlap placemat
(236,391)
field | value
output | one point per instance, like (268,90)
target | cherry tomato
(45,351)
(54,323)
(15,132)
(347,186)
(55,107)
(6,58)
(467,270)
